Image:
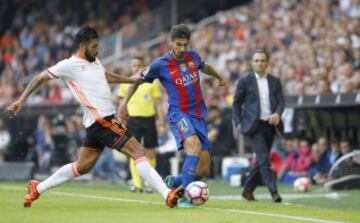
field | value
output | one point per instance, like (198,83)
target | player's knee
(136,152)
(133,149)
(193,151)
(83,169)
(193,147)
(150,153)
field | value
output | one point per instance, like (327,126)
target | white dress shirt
(263,87)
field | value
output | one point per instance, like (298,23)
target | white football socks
(68,172)
(148,173)
(65,173)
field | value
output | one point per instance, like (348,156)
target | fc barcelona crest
(191,65)
(183,67)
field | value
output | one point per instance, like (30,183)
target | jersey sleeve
(151,72)
(122,90)
(198,61)
(60,70)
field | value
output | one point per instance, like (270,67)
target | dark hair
(180,31)
(84,35)
(260,51)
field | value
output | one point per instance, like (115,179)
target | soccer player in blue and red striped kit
(178,71)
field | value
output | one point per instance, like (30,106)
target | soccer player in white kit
(89,83)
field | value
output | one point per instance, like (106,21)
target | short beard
(177,56)
(89,57)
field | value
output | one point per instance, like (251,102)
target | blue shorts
(183,126)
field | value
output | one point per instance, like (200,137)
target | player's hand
(123,114)
(14,108)
(223,82)
(274,119)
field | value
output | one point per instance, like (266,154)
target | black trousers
(261,140)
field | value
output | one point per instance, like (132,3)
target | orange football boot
(32,193)
(173,197)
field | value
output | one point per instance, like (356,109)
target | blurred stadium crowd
(314,45)
(314,48)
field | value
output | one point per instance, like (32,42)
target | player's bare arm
(34,84)
(210,70)
(160,111)
(123,112)
(116,78)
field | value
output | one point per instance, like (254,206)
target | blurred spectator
(41,33)
(323,87)
(316,172)
(314,44)
(60,154)
(44,145)
(322,165)
(297,162)
(334,152)
(76,134)
(276,161)
(220,131)
(4,140)
(345,147)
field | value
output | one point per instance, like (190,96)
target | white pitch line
(222,210)
(333,195)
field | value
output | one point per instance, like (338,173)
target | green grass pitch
(94,202)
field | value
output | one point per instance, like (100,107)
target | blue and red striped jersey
(181,80)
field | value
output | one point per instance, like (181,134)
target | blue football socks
(189,170)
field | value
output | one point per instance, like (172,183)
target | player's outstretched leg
(188,175)
(154,179)
(87,159)
(65,173)
(134,149)
(191,165)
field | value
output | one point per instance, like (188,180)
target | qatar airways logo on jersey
(188,79)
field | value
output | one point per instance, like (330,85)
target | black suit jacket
(246,105)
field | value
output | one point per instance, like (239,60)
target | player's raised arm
(210,70)
(116,78)
(34,84)
(123,112)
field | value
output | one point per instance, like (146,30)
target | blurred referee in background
(142,121)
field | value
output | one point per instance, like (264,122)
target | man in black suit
(258,104)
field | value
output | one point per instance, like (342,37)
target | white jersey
(88,84)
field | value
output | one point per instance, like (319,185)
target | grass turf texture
(94,202)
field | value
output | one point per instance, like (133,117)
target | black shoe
(276,197)
(248,195)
